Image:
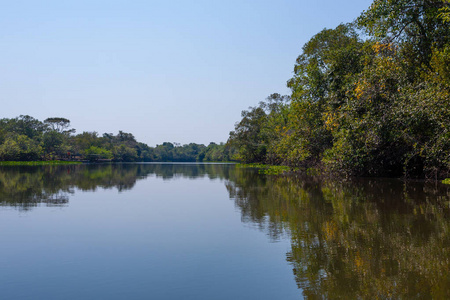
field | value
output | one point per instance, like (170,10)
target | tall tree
(60,125)
(418,24)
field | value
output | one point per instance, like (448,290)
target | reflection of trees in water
(248,188)
(26,187)
(190,170)
(357,239)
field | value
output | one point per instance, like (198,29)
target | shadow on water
(365,238)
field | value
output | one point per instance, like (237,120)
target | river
(217,231)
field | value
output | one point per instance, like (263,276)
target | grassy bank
(38,163)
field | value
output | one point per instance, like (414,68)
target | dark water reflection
(366,238)
(25,187)
(363,238)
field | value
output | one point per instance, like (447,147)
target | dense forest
(369,98)
(25,138)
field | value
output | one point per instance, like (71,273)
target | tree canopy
(368,98)
(25,138)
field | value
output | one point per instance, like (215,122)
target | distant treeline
(370,98)
(25,138)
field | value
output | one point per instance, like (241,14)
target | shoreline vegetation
(269,169)
(285,170)
(38,163)
(368,98)
(25,138)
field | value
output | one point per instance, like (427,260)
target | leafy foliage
(371,105)
(255,134)
(27,139)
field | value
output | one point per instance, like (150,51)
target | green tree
(124,153)
(52,142)
(59,125)
(98,152)
(323,74)
(416,24)
(19,148)
(9,150)
(248,135)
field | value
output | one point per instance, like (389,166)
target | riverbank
(269,169)
(38,163)
(279,170)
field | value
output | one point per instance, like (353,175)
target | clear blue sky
(177,71)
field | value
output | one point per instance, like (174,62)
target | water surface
(213,231)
